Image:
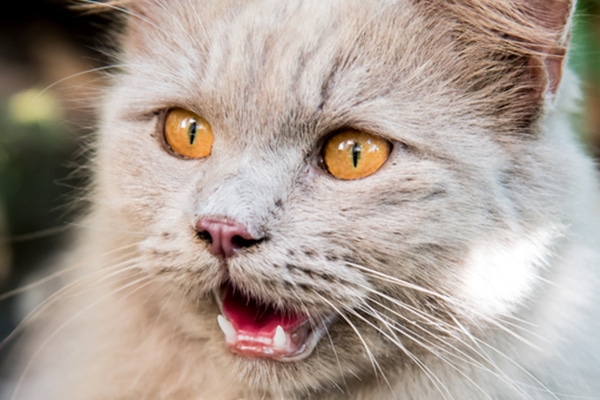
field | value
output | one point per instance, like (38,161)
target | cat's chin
(255,328)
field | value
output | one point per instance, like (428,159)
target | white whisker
(57,295)
(34,235)
(337,359)
(449,329)
(126,12)
(374,363)
(55,275)
(494,321)
(439,385)
(43,344)
(77,75)
(110,230)
(433,348)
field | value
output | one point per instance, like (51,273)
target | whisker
(138,377)
(435,353)
(432,347)
(337,359)
(110,230)
(467,358)
(406,284)
(43,344)
(44,233)
(501,324)
(478,342)
(440,323)
(77,75)
(374,363)
(55,275)
(56,296)
(398,281)
(426,370)
(520,368)
(126,12)
(451,331)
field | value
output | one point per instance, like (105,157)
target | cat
(343,199)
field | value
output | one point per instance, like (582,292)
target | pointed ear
(535,29)
(554,18)
(513,54)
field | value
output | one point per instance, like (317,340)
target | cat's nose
(224,237)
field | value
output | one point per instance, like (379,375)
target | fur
(465,268)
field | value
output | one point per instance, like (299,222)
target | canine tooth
(280,338)
(227,328)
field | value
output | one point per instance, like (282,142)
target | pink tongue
(252,318)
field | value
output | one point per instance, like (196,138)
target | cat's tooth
(227,328)
(280,339)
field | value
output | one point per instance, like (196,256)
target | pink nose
(224,237)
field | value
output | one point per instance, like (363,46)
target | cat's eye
(352,154)
(188,134)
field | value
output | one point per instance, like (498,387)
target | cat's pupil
(193,131)
(356,152)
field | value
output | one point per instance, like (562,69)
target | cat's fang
(280,340)
(227,328)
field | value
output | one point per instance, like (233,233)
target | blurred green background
(46,112)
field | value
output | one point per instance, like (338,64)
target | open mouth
(255,328)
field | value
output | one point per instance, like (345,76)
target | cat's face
(446,234)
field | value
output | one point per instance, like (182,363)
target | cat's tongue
(255,329)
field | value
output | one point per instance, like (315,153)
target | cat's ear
(553,19)
(535,31)
(513,53)
(509,55)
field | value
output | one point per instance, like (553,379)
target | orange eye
(353,154)
(188,134)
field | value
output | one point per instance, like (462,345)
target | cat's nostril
(241,242)
(224,237)
(205,236)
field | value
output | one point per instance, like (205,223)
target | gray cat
(331,199)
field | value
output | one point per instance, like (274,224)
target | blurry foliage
(33,147)
(585,59)
(586,40)
(42,118)
(33,150)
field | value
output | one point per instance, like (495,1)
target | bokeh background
(49,87)
(51,60)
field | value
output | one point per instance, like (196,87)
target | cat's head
(350,184)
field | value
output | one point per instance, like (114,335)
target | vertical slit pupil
(193,131)
(356,151)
